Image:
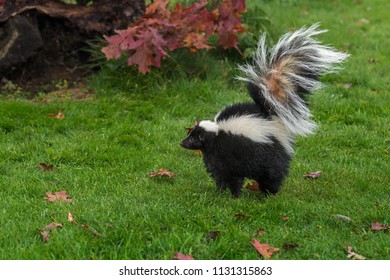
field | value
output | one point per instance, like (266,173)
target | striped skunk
(255,140)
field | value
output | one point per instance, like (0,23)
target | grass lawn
(105,146)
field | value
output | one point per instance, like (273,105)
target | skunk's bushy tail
(280,78)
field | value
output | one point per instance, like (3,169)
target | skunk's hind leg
(233,184)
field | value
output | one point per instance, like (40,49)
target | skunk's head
(199,135)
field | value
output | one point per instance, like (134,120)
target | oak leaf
(61,196)
(264,249)
(376,226)
(181,256)
(45,166)
(161,172)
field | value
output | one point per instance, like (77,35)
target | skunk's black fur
(255,140)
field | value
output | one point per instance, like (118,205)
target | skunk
(255,140)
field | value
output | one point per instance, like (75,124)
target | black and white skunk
(255,140)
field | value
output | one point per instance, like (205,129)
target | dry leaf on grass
(242,215)
(53,225)
(352,255)
(313,175)
(59,115)
(376,226)
(58,196)
(288,246)
(254,186)
(264,249)
(161,172)
(212,235)
(71,219)
(46,167)
(45,235)
(180,256)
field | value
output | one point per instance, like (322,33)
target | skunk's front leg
(233,183)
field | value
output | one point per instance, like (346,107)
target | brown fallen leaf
(44,234)
(180,256)
(71,219)
(254,186)
(53,225)
(212,235)
(376,226)
(46,167)
(161,172)
(313,175)
(352,255)
(288,246)
(59,115)
(240,214)
(61,196)
(264,249)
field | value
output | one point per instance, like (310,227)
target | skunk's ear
(194,139)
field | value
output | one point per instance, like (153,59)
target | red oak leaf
(264,249)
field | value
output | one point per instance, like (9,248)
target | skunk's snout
(185,144)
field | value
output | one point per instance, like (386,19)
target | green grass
(106,145)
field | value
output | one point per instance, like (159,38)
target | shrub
(161,30)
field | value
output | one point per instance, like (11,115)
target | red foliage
(160,30)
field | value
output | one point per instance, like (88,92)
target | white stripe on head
(209,126)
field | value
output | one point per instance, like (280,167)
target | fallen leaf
(352,255)
(240,214)
(254,186)
(285,218)
(212,235)
(288,246)
(46,167)
(45,235)
(376,226)
(161,172)
(342,217)
(71,219)
(61,195)
(53,225)
(313,175)
(59,115)
(264,249)
(180,256)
